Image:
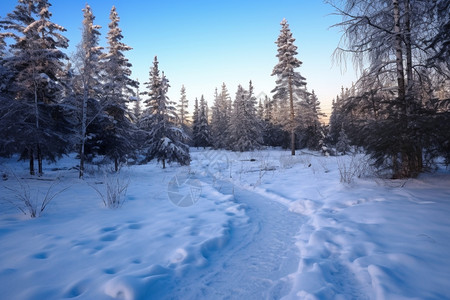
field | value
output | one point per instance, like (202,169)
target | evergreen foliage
(201,131)
(164,140)
(32,76)
(118,88)
(290,84)
(220,120)
(245,131)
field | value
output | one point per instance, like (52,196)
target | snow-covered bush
(114,191)
(287,161)
(353,166)
(31,201)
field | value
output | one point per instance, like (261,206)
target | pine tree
(343,144)
(441,41)
(260,111)
(182,107)
(220,119)
(137,110)
(245,132)
(272,131)
(89,86)
(309,119)
(289,82)
(35,69)
(195,122)
(6,74)
(201,130)
(165,141)
(118,87)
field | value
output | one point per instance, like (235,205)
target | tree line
(397,112)
(52,105)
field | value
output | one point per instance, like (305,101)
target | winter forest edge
(397,112)
(112,190)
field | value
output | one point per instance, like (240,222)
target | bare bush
(114,192)
(31,201)
(287,161)
(357,166)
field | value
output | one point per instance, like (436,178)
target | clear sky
(203,43)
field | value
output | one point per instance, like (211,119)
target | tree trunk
(36,114)
(39,158)
(116,164)
(30,152)
(400,170)
(83,128)
(292,117)
(410,152)
(409,68)
(416,161)
(399,55)
(164,163)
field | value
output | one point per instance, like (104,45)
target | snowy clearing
(253,225)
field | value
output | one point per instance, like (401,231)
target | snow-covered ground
(256,225)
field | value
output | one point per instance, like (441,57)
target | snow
(252,225)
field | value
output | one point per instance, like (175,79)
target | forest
(398,111)
(111,190)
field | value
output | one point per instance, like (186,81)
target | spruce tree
(290,84)
(220,119)
(182,107)
(245,132)
(165,141)
(137,110)
(6,74)
(89,88)
(195,123)
(343,144)
(309,120)
(35,69)
(118,87)
(201,133)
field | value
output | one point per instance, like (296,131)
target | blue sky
(203,43)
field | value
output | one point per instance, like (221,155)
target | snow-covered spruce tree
(6,74)
(220,118)
(260,111)
(137,110)
(310,129)
(89,88)
(182,107)
(290,84)
(338,117)
(36,65)
(195,122)
(118,87)
(183,119)
(165,141)
(273,134)
(201,130)
(440,42)
(215,119)
(7,145)
(245,132)
(253,122)
(343,144)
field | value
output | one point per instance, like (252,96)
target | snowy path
(265,226)
(259,257)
